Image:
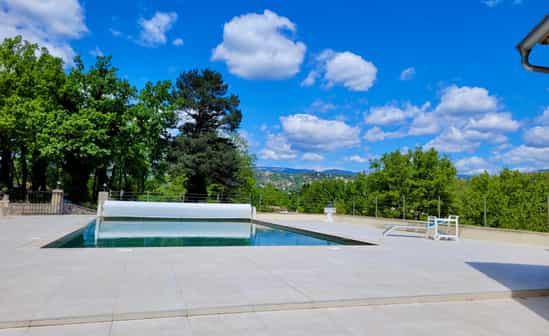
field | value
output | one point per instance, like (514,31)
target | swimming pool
(170,233)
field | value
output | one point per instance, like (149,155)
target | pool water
(166,233)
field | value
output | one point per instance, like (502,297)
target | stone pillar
(4,205)
(101,198)
(57,202)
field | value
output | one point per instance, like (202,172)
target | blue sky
(334,84)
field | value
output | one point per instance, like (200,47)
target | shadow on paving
(519,277)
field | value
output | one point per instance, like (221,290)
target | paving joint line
(289,306)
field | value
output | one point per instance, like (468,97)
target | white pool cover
(224,218)
(176,210)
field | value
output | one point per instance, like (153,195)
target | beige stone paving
(492,317)
(41,284)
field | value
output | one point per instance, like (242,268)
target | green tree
(413,181)
(204,151)
(91,135)
(514,200)
(29,99)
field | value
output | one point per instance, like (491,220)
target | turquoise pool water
(165,233)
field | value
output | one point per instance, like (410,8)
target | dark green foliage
(206,160)
(89,128)
(204,151)
(29,102)
(514,200)
(203,97)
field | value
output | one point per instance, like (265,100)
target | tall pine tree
(204,151)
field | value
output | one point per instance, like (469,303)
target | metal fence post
(484,217)
(439,207)
(403,207)
(376,206)
(353,206)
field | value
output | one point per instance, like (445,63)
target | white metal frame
(434,225)
(432,228)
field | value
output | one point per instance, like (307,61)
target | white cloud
(391,114)
(463,107)
(321,106)
(386,115)
(544,118)
(473,166)
(424,123)
(247,137)
(408,73)
(115,32)
(492,3)
(465,99)
(343,68)
(533,157)
(50,23)
(468,117)
(312,157)
(455,140)
(308,132)
(185,116)
(351,71)
(178,42)
(257,46)
(310,79)
(537,136)
(357,159)
(153,30)
(495,121)
(377,134)
(270,154)
(277,148)
(495,3)
(96,52)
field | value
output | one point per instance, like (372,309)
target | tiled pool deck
(410,284)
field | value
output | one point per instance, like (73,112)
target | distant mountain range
(293,178)
(469,176)
(283,170)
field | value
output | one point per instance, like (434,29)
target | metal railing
(23,202)
(183,197)
(483,211)
(526,214)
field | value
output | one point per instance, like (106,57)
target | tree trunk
(38,171)
(24,168)
(196,188)
(6,168)
(78,176)
(142,178)
(100,180)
